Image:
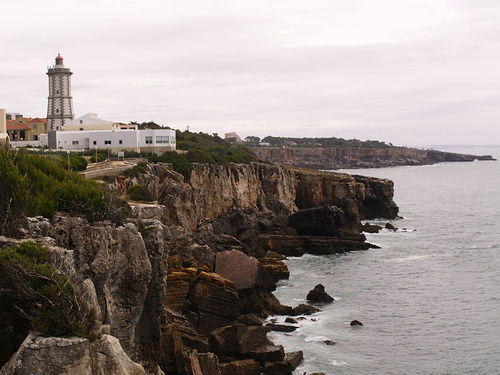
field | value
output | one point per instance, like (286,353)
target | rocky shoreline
(183,286)
(331,158)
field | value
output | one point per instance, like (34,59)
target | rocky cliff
(180,286)
(330,158)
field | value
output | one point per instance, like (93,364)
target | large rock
(318,294)
(239,339)
(116,260)
(318,221)
(207,299)
(71,355)
(244,271)
(316,245)
(108,357)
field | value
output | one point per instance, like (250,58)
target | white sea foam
(338,363)
(410,258)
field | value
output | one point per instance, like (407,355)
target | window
(57,91)
(34,126)
(162,139)
(57,110)
(149,139)
(94,142)
(35,137)
(107,142)
(81,129)
(75,142)
(81,121)
(120,142)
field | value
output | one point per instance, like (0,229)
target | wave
(410,258)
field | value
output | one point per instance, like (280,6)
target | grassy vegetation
(33,185)
(36,296)
(140,193)
(203,148)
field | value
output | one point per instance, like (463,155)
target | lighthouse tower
(60,105)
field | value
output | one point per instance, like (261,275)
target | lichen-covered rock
(50,356)
(115,259)
(108,357)
(71,355)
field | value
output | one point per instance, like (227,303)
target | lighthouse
(60,104)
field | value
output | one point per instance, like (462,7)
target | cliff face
(338,158)
(154,281)
(213,190)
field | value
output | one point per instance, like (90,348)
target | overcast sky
(410,72)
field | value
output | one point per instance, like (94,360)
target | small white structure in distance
(4,137)
(90,121)
(147,140)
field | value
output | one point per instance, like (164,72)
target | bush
(100,157)
(180,162)
(33,185)
(136,170)
(140,193)
(37,296)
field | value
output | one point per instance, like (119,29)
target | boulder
(294,358)
(389,226)
(244,271)
(318,221)
(238,339)
(318,294)
(281,327)
(250,320)
(71,355)
(242,367)
(291,320)
(303,309)
(207,299)
(50,355)
(355,323)
(108,357)
(371,228)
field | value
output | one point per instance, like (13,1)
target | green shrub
(33,185)
(140,193)
(136,170)
(37,296)
(180,162)
(100,157)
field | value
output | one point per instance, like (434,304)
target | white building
(90,121)
(148,140)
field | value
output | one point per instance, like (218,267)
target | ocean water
(429,299)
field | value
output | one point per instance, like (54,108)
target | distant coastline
(330,158)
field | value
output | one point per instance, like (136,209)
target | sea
(429,298)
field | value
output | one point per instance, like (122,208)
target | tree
(252,140)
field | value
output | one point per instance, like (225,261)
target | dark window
(107,142)
(120,142)
(81,129)
(94,142)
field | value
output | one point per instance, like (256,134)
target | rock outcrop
(318,294)
(73,355)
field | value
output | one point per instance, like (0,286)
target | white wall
(103,139)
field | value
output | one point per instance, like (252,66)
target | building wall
(115,140)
